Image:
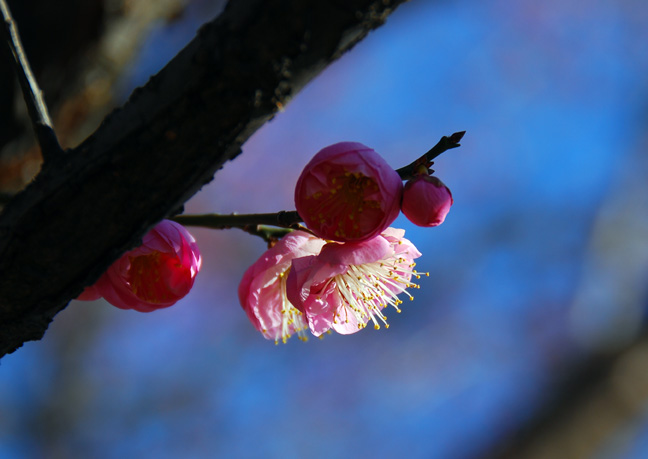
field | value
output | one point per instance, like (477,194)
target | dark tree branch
(31,92)
(91,204)
(283,219)
(262,225)
(443,145)
(270,234)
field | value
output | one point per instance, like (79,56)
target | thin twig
(282,219)
(268,233)
(32,94)
(446,143)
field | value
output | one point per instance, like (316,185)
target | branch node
(446,143)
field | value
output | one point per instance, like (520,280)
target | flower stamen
(368,288)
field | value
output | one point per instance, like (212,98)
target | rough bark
(86,208)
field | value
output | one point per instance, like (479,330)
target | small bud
(426,200)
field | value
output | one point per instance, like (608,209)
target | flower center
(158,277)
(368,288)
(348,206)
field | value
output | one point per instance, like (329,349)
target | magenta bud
(153,276)
(426,201)
(348,193)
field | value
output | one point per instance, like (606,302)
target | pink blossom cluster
(304,282)
(351,265)
(339,274)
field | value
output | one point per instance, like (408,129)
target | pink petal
(354,253)
(261,293)
(89,294)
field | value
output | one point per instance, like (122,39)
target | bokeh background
(527,339)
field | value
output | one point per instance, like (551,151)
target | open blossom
(348,285)
(153,276)
(262,291)
(426,201)
(348,193)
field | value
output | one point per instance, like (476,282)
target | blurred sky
(553,97)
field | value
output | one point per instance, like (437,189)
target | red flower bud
(348,193)
(426,200)
(153,276)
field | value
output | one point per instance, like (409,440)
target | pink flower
(347,285)
(348,193)
(262,291)
(153,276)
(426,201)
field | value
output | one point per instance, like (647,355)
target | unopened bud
(426,200)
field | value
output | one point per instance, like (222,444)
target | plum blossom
(262,291)
(348,193)
(153,276)
(348,285)
(426,200)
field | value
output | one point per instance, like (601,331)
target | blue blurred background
(541,265)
